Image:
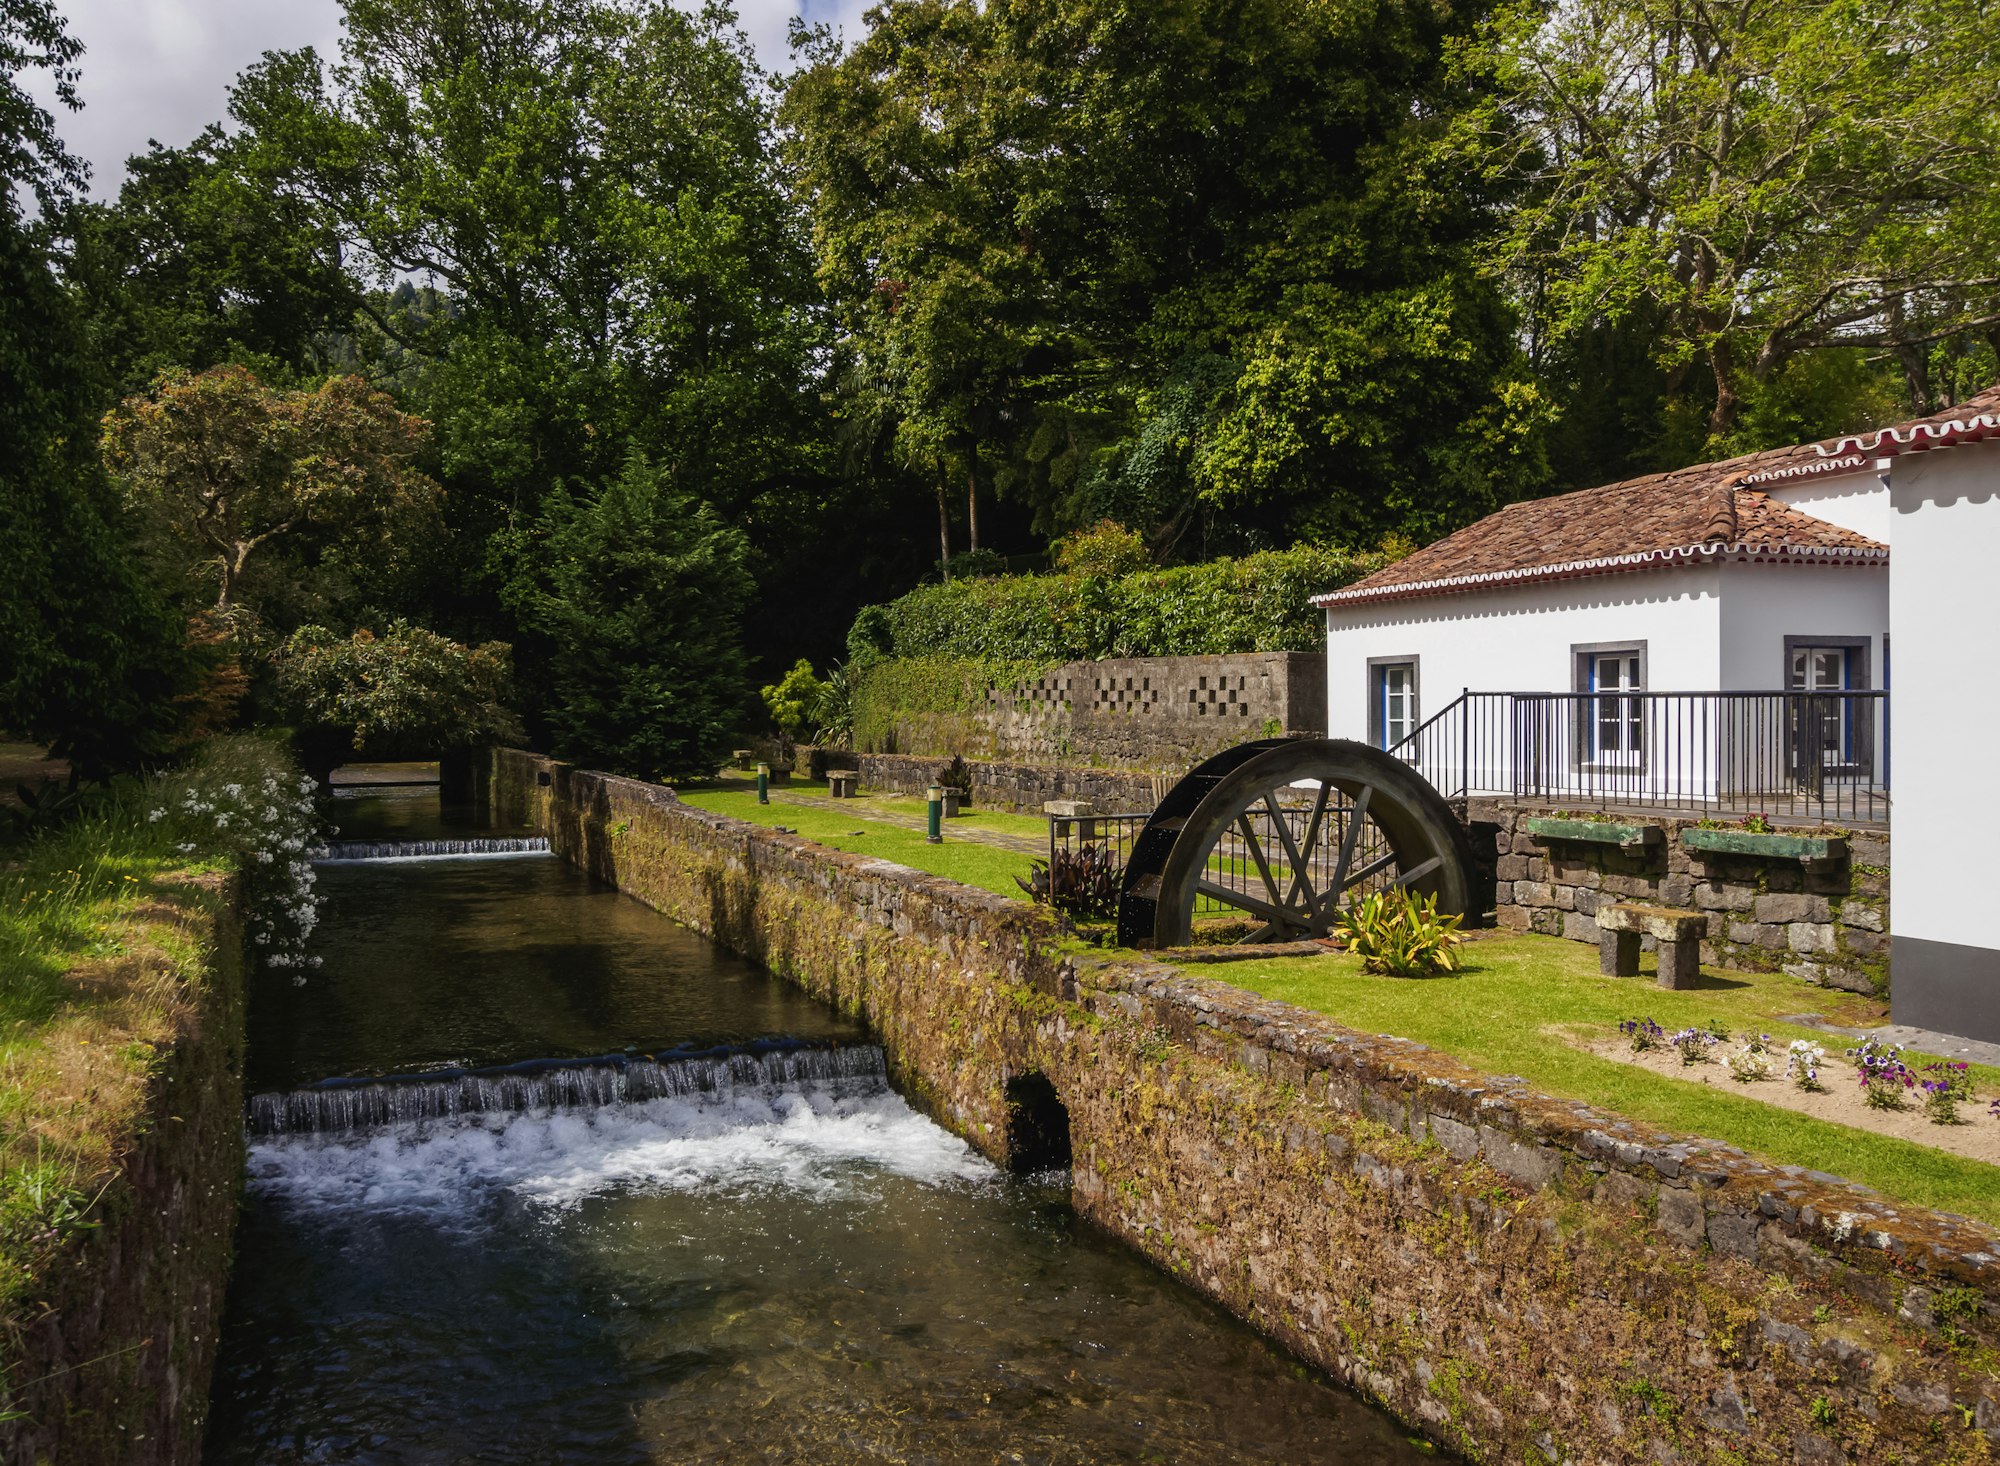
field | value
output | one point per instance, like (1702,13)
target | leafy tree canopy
(226,466)
(407,690)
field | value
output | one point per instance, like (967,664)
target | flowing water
(591,1190)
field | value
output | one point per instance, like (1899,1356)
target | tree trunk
(1722,361)
(944,529)
(972,504)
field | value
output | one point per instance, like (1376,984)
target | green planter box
(1634,839)
(1809,849)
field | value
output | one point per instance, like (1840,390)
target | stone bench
(844,783)
(1676,934)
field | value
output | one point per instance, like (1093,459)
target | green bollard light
(763,783)
(935,834)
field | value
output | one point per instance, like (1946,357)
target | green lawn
(1496,1015)
(987,866)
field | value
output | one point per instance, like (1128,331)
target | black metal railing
(1798,755)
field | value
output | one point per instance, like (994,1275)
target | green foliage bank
(1257,603)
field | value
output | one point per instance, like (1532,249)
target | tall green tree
(1179,261)
(630,599)
(90,657)
(1750,182)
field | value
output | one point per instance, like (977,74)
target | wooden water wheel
(1286,832)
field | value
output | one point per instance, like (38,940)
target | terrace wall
(1825,926)
(1520,1277)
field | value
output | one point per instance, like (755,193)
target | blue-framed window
(1392,700)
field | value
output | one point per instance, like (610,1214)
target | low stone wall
(1826,926)
(1016,788)
(1521,1278)
(114,1361)
(1132,712)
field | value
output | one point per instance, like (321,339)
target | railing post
(1465,745)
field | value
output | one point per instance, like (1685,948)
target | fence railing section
(1812,755)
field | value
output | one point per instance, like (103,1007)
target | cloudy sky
(161,68)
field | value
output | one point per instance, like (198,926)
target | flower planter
(955,802)
(1633,839)
(1806,849)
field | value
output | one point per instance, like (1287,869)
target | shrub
(793,697)
(833,709)
(1696,1045)
(1081,882)
(1803,1059)
(1107,548)
(1256,602)
(954,775)
(1400,934)
(1752,1061)
(1885,1079)
(407,689)
(1644,1033)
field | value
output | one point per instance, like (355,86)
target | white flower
(153,816)
(263,857)
(184,849)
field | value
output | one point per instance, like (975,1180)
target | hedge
(1258,603)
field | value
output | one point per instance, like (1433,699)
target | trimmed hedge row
(1258,603)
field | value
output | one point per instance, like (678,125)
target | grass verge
(1505,1012)
(989,867)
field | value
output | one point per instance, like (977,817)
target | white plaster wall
(1857,501)
(1762,604)
(1519,639)
(1944,618)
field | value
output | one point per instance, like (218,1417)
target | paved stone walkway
(1925,1040)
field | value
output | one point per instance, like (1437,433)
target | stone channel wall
(117,1345)
(1131,712)
(1827,926)
(1519,1277)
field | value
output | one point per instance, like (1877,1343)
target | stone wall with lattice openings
(1138,712)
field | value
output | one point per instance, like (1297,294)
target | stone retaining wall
(1825,926)
(1520,1277)
(1132,712)
(1015,788)
(113,1364)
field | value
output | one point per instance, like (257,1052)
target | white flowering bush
(1753,1061)
(245,802)
(1803,1061)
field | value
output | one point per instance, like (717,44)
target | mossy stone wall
(1519,1277)
(114,1363)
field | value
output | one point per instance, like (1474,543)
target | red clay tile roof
(1689,514)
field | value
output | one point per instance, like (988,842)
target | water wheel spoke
(1418,872)
(1230,896)
(1257,854)
(1357,816)
(1299,872)
(1374,867)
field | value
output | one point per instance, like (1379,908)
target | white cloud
(162,68)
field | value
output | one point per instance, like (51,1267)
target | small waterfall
(340,852)
(552,1084)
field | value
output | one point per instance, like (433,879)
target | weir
(544,1085)
(340,852)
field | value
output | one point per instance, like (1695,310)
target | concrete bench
(1676,934)
(844,783)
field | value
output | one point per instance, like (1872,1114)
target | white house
(1719,639)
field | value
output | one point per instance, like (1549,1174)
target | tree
(226,465)
(1046,226)
(630,601)
(408,690)
(92,660)
(1754,181)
